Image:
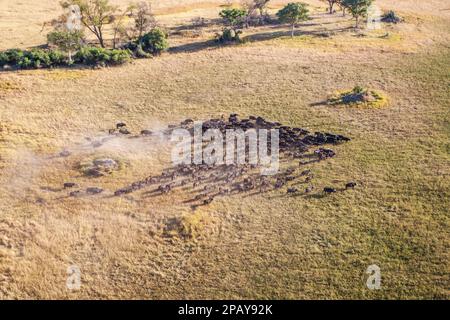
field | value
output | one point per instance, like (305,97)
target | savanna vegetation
(86,86)
(138,38)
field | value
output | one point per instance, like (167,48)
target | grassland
(263,246)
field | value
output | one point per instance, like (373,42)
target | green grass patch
(359,97)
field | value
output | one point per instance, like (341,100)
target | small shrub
(391,17)
(118,56)
(25,63)
(3,59)
(38,58)
(155,41)
(359,96)
(229,35)
(11,57)
(188,226)
(139,52)
(92,56)
(136,49)
(57,58)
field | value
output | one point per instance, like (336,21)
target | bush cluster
(31,59)
(152,43)
(101,56)
(39,58)
(391,17)
(229,35)
(155,41)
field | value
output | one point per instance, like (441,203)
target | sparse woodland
(134,32)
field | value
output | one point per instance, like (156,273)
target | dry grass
(264,246)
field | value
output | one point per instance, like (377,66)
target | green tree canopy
(232,16)
(95,14)
(65,40)
(357,8)
(293,13)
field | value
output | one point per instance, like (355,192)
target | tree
(154,41)
(341,5)
(66,40)
(119,27)
(232,17)
(261,6)
(357,8)
(95,14)
(331,4)
(68,33)
(144,20)
(293,13)
(252,6)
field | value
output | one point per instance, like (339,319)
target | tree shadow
(192,47)
(266,36)
(313,196)
(204,24)
(323,103)
(198,46)
(257,37)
